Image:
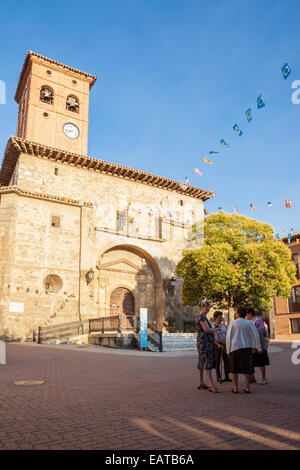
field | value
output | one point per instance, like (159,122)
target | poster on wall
(16,307)
(143,328)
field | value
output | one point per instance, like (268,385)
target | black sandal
(246,390)
(234,391)
(202,387)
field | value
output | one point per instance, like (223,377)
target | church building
(83,238)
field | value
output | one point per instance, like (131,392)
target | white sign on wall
(16,307)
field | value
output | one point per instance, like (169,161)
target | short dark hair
(217,314)
(242,312)
(251,311)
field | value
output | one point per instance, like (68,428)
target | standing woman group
(246,347)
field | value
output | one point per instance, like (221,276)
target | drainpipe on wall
(79,267)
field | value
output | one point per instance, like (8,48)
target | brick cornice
(16,146)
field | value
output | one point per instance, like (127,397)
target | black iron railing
(189,326)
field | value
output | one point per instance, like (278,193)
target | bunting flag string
(285,71)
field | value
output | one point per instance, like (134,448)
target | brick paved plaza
(95,398)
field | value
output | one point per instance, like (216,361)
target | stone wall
(87,238)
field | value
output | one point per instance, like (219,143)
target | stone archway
(122,302)
(130,275)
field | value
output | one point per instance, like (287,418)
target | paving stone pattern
(114,400)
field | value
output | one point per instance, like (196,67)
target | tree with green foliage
(240,263)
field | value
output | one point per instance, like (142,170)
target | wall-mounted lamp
(169,285)
(89,276)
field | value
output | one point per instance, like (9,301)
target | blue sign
(143,328)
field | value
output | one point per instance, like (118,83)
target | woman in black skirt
(260,359)
(242,341)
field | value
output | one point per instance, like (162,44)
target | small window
(56,171)
(55,221)
(181,202)
(295,325)
(47,95)
(72,104)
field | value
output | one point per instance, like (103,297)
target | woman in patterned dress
(206,348)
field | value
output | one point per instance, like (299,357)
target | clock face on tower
(71,130)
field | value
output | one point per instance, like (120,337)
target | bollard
(2,352)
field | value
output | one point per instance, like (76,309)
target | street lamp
(169,285)
(89,276)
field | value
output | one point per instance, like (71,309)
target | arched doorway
(129,279)
(122,302)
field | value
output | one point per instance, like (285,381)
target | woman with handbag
(260,359)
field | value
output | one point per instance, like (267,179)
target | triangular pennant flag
(249,114)
(208,161)
(212,152)
(252,207)
(288,203)
(286,70)
(260,102)
(237,130)
(197,171)
(222,142)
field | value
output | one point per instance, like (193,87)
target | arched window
(72,104)
(47,95)
(53,283)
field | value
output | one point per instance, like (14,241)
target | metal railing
(115,323)
(61,330)
(189,326)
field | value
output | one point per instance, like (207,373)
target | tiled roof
(16,146)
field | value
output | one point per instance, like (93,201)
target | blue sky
(174,76)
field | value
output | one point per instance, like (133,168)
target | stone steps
(180,341)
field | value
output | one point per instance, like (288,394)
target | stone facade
(63,214)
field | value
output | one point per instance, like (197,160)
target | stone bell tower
(53,104)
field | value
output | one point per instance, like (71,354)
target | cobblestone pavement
(95,399)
